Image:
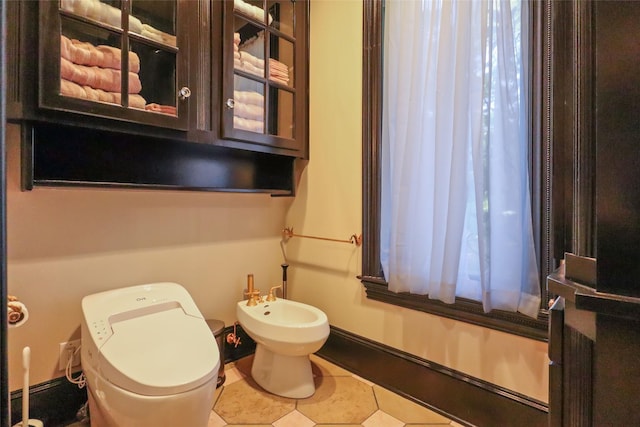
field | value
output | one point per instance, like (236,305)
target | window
(463,308)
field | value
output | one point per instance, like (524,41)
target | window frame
(542,169)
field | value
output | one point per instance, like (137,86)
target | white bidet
(286,333)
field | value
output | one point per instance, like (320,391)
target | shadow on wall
(78,221)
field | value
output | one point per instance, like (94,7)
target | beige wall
(329,204)
(66,243)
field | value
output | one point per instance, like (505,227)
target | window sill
(463,310)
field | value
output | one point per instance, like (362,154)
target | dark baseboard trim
(246,347)
(463,398)
(54,402)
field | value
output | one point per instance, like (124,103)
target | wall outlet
(67,351)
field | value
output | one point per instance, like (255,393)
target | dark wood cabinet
(161,70)
(264,77)
(126,61)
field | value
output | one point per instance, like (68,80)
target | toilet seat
(171,356)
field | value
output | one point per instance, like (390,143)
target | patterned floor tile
(382,419)
(294,419)
(406,410)
(244,402)
(339,400)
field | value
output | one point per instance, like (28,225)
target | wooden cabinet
(125,61)
(215,87)
(264,77)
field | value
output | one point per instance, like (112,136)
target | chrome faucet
(284,280)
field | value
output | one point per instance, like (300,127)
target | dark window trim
(372,276)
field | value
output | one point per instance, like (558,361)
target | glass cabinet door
(114,59)
(266,103)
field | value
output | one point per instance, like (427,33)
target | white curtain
(456,215)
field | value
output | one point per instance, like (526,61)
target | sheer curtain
(456,214)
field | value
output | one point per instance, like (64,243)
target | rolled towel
(247,97)
(110,15)
(72,72)
(67,5)
(135,100)
(150,35)
(69,88)
(248,111)
(113,59)
(157,35)
(98,78)
(276,72)
(163,109)
(275,64)
(248,124)
(279,80)
(80,7)
(65,48)
(135,25)
(84,53)
(251,59)
(250,68)
(95,94)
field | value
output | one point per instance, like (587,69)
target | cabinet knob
(184,93)
(231,103)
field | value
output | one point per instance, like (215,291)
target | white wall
(67,243)
(329,204)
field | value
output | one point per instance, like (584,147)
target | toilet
(149,358)
(286,332)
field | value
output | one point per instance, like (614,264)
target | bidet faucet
(271,296)
(253,294)
(254,298)
(250,284)
(284,280)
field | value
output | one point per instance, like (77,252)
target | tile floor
(341,399)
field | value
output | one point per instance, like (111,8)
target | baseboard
(54,402)
(463,398)
(245,347)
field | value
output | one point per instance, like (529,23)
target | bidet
(286,332)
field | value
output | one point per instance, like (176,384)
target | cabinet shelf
(91,22)
(153,43)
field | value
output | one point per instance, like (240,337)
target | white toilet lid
(162,353)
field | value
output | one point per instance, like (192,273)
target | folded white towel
(251,59)
(249,68)
(247,97)
(248,111)
(248,124)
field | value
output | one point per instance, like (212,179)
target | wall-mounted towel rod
(288,233)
